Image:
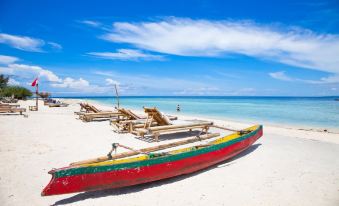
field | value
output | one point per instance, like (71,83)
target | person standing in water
(178,108)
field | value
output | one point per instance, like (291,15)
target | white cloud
(55,45)
(81,85)
(329,79)
(13,82)
(281,76)
(126,54)
(242,92)
(26,43)
(28,71)
(199,91)
(72,83)
(110,82)
(145,84)
(332,79)
(22,42)
(149,81)
(187,37)
(215,91)
(247,90)
(91,23)
(7,59)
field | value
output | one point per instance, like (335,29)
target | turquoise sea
(322,112)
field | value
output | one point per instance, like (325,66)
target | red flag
(35,82)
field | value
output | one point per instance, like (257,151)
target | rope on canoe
(114,148)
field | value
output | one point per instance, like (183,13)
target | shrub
(44,95)
(3,81)
(17,91)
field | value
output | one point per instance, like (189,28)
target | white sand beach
(287,166)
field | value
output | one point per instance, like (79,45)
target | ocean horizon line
(193,96)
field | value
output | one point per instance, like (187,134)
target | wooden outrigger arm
(145,150)
(233,130)
(133,152)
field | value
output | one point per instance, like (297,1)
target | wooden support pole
(180,126)
(117,94)
(225,128)
(129,148)
(233,130)
(147,150)
(37,94)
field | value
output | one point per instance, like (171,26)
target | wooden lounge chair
(9,105)
(83,109)
(87,117)
(122,122)
(32,108)
(48,101)
(91,113)
(88,108)
(58,104)
(125,115)
(129,114)
(128,121)
(11,109)
(9,100)
(165,125)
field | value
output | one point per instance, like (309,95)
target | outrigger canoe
(149,167)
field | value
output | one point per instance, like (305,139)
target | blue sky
(260,48)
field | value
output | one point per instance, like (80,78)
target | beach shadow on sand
(137,188)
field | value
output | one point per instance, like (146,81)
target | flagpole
(37,92)
(117,94)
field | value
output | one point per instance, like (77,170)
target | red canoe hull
(144,174)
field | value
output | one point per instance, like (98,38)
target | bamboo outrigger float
(114,172)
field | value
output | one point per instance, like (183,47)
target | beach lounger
(126,115)
(129,115)
(9,100)
(48,101)
(165,125)
(8,105)
(11,109)
(122,122)
(128,121)
(32,108)
(83,109)
(89,113)
(87,117)
(58,104)
(54,103)
(88,108)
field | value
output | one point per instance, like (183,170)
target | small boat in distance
(117,171)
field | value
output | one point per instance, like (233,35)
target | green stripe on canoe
(152,161)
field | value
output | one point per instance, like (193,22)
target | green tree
(17,91)
(3,81)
